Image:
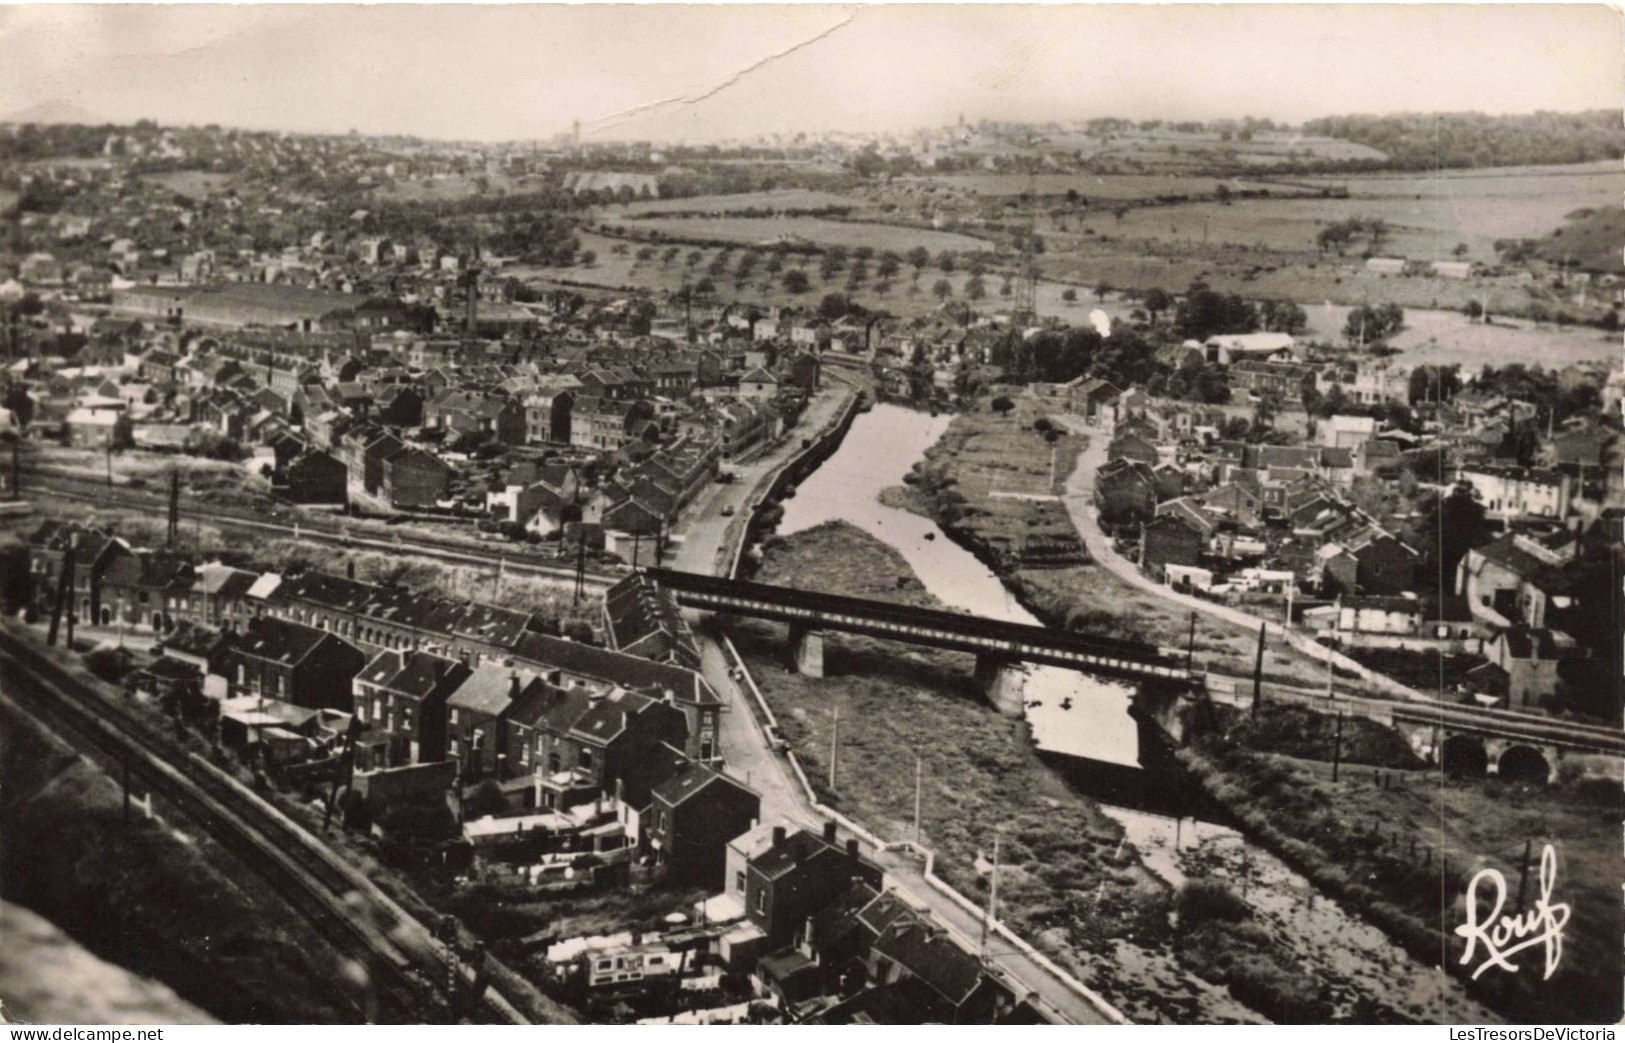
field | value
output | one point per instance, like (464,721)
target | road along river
(1082,724)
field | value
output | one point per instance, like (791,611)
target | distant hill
(1422,141)
(1592,240)
(56,110)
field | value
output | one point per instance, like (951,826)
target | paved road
(750,757)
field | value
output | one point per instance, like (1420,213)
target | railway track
(409,973)
(87,490)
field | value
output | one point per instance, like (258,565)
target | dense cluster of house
(605,752)
(805,919)
(1277,527)
(612,431)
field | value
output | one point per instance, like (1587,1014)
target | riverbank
(993,483)
(1072,882)
(957,486)
(152,897)
(1399,846)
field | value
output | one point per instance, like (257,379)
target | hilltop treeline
(1421,140)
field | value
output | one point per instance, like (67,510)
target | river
(1083,725)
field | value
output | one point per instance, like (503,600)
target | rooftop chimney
(513,685)
(829,832)
(852,848)
(778,835)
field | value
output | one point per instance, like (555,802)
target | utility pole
(581,562)
(1190,644)
(17,470)
(175,505)
(917,772)
(1337,748)
(834,740)
(1258,671)
(990,912)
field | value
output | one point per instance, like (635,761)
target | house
(1377,614)
(1089,397)
(798,874)
(1512,580)
(413,477)
(1228,348)
(690,819)
(1134,447)
(1529,657)
(220,594)
(475,713)
(281,659)
(642,619)
(1386,265)
(317,477)
(95,554)
(1519,492)
(1174,538)
(1383,563)
(911,947)
(402,695)
(1345,432)
(1125,492)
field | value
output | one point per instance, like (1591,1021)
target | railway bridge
(998,646)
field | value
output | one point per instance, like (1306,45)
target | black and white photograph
(829,514)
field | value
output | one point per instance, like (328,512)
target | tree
(919,257)
(1157,300)
(1283,317)
(1434,383)
(1459,251)
(976,288)
(1373,325)
(1069,295)
(945,261)
(942,289)
(1450,525)
(833,306)
(796,281)
(588,258)
(1204,313)
(1002,405)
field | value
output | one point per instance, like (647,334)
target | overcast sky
(706,72)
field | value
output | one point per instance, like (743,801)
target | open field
(1447,338)
(778,199)
(1428,217)
(1160,148)
(818,231)
(907,297)
(1105,187)
(193,184)
(453,186)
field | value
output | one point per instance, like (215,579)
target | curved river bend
(1085,719)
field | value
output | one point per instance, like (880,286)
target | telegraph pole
(1190,643)
(1337,748)
(1258,671)
(917,772)
(834,739)
(990,912)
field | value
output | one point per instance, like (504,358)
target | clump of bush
(1202,900)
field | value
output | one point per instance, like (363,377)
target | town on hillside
(671,563)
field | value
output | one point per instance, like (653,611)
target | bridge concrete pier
(1002,682)
(807,650)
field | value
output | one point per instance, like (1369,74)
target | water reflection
(1070,713)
